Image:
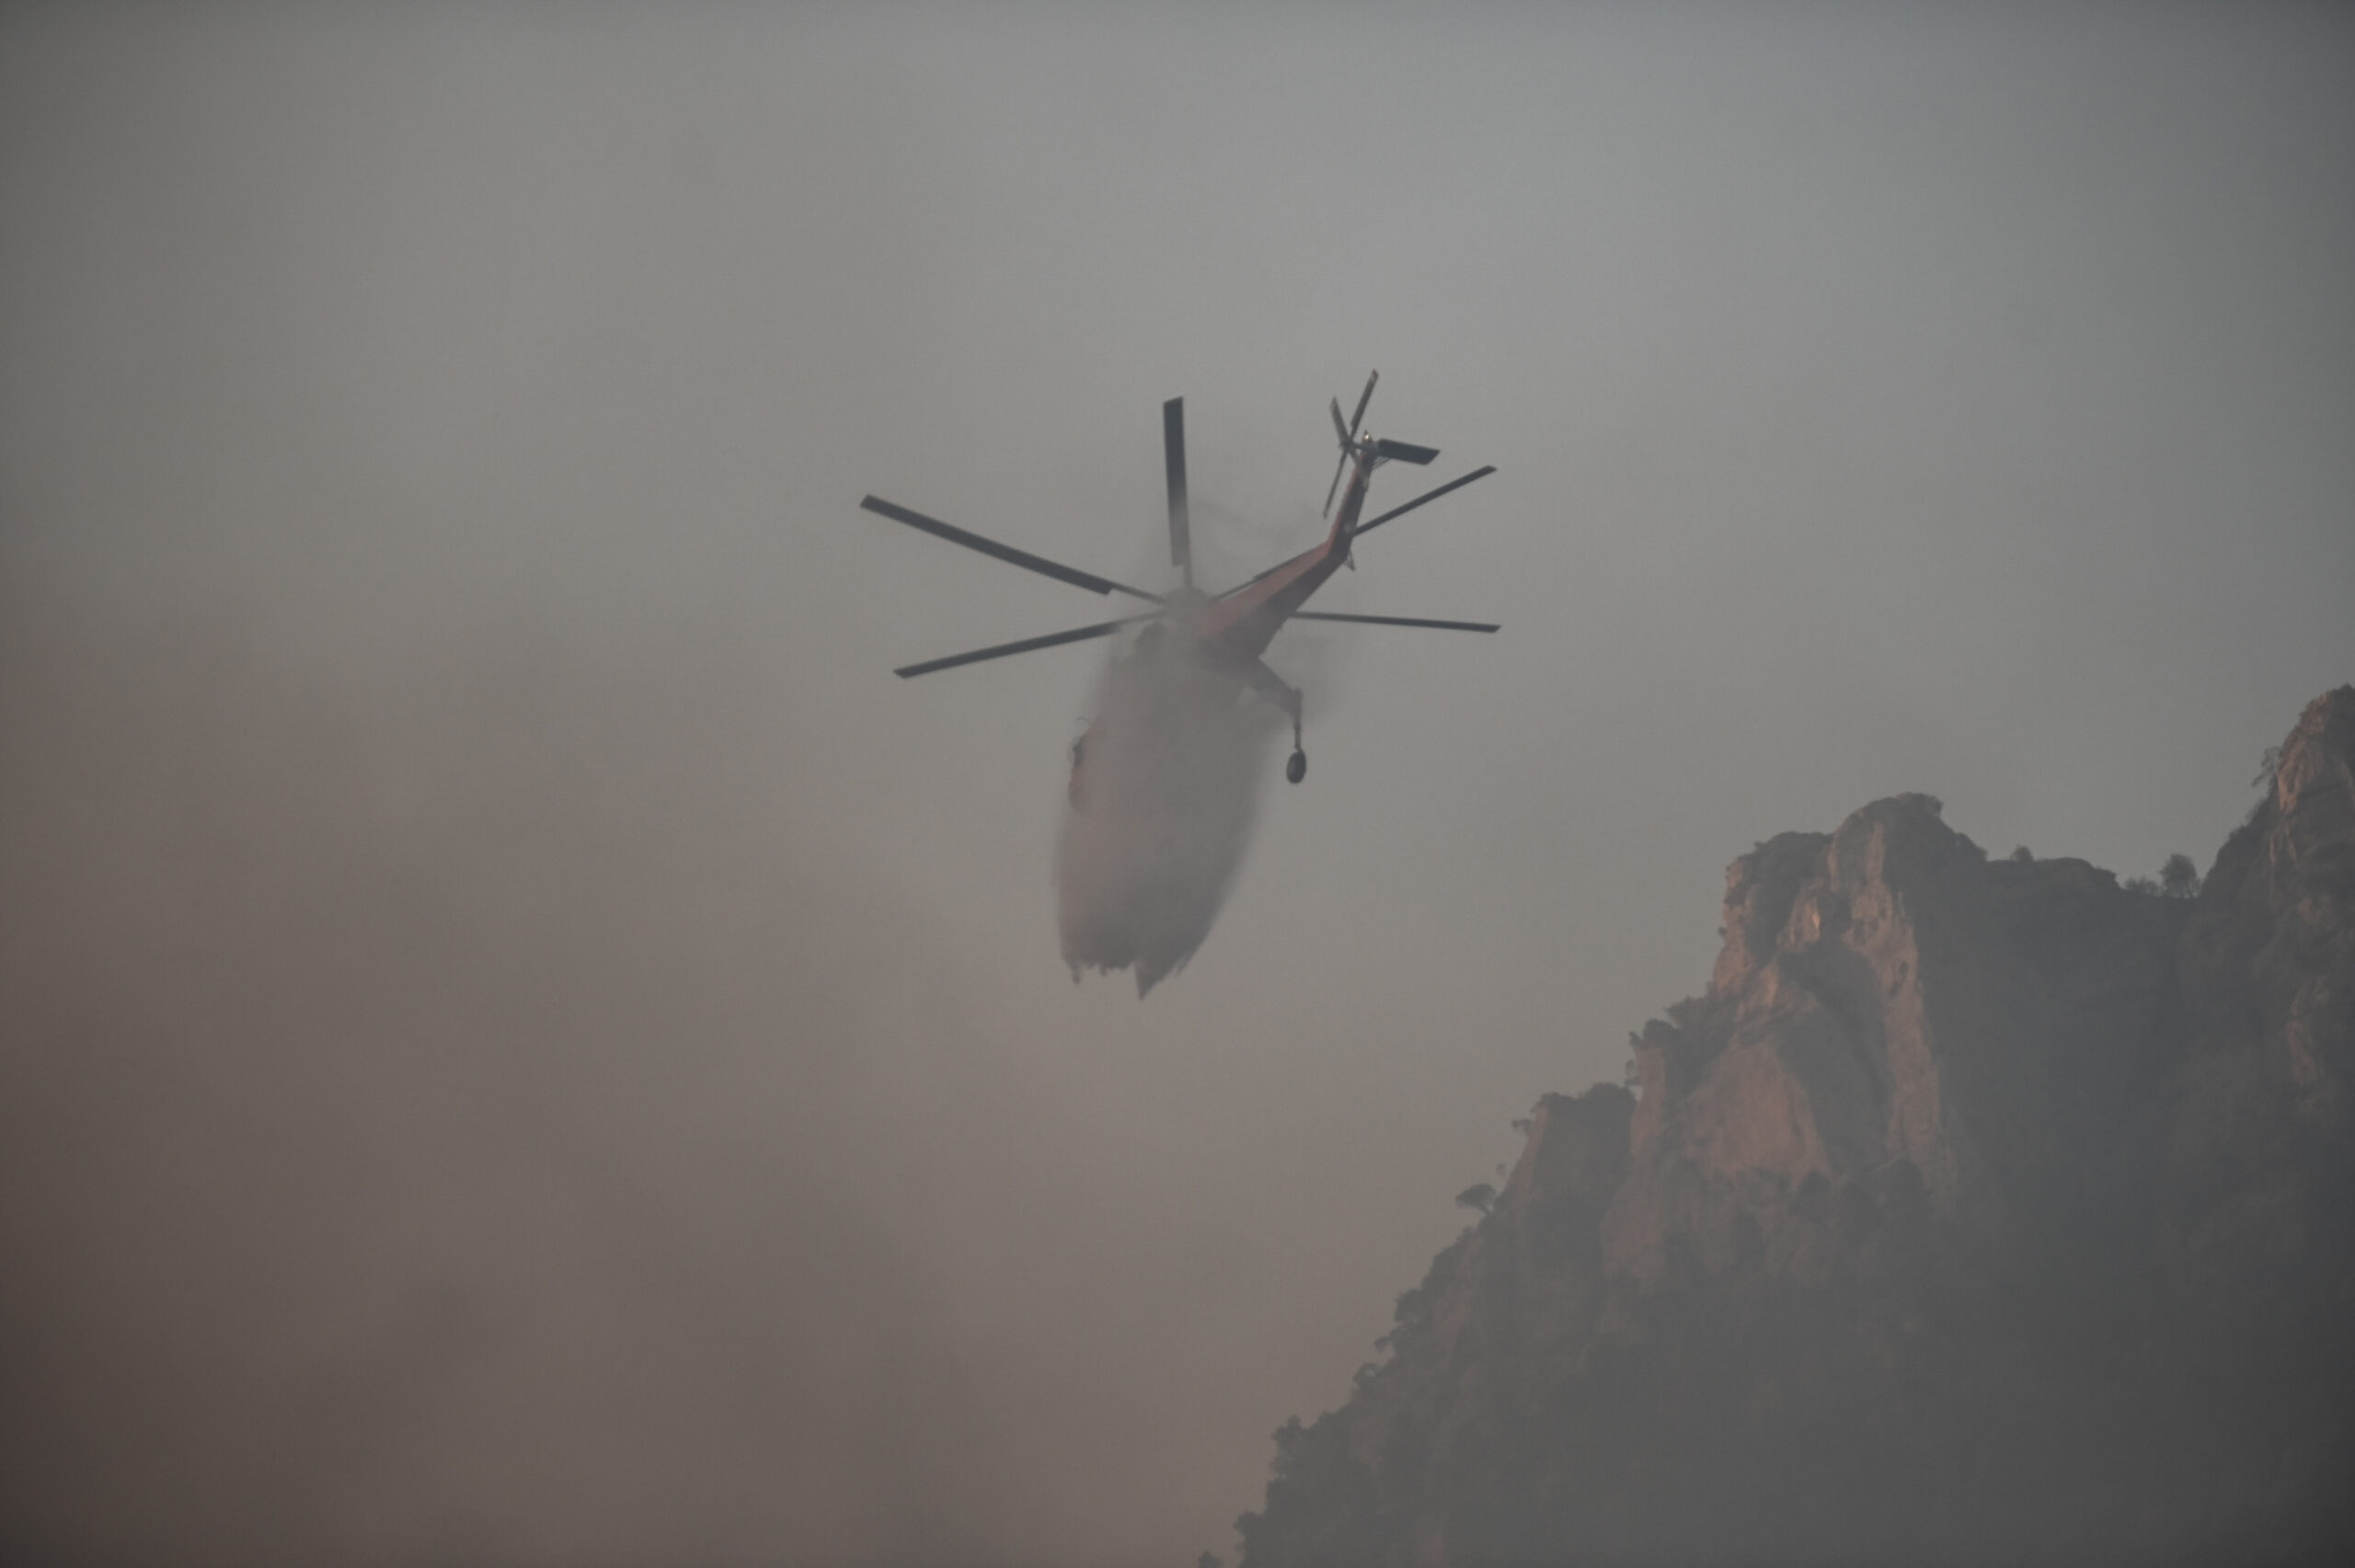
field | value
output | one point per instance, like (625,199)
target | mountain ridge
(1977,1207)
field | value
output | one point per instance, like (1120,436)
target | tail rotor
(1348,434)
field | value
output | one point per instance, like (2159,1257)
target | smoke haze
(521,1041)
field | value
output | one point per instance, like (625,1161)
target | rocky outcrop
(1978,1209)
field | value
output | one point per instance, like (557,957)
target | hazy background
(519,1040)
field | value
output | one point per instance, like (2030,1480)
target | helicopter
(1228,632)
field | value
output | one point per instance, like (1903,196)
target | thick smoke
(438,1126)
(1165,790)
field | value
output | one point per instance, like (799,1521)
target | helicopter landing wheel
(1296,767)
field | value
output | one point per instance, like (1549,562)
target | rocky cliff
(1980,1209)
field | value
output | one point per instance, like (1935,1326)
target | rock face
(1979,1210)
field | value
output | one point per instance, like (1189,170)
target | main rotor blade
(1427,496)
(1006,552)
(1396,621)
(1079,634)
(1173,455)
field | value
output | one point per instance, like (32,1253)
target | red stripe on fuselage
(1238,628)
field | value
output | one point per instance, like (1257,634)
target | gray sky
(524,1039)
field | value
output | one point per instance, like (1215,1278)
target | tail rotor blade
(1335,487)
(1363,398)
(1173,454)
(1340,428)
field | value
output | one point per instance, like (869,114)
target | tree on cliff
(2178,878)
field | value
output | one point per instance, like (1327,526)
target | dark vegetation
(1479,1196)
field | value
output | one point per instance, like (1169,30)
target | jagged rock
(1977,1211)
